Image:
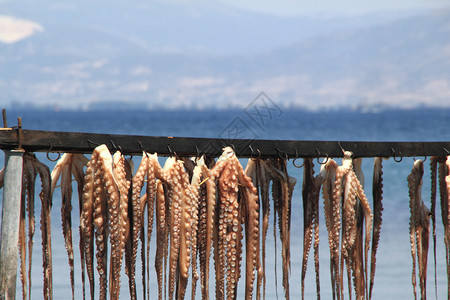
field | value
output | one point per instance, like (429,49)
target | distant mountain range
(85,56)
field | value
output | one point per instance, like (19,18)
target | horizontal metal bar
(56,141)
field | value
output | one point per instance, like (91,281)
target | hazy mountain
(217,56)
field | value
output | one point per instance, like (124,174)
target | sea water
(394,262)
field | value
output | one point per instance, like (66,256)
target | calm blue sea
(393,276)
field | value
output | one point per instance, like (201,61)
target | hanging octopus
(419,228)
(332,208)
(228,249)
(67,165)
(180,201)
(377,192)
(311,193)
(105,213)
(31,168)
(282,189)
(27,206)
(150,170)
(355,209)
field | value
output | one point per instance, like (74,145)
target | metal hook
(91,144)
(280,153)
(142,148)
(424,160)
(251,154)
(48,153)
(172,153)
(326,159)
(340,146)
(113,145)
(448,152)
(394,156)
(296,156)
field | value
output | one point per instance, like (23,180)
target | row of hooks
(254,154)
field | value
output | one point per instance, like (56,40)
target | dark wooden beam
(55,141)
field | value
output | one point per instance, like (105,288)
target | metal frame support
(9,249)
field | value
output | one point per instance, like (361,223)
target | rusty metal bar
(56,141)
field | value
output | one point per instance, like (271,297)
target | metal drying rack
(15,141)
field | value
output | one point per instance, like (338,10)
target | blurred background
(83,55)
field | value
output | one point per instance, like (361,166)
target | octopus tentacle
(264,183)
(308,216)
(311,192)
(172,170)
(79,161)
(63,169)
(185,232)
(419,226)
(368,219)
(444,191)
(282,189)
(31,181)
(87,218)
(151,193)
(46,204)
(100,222)
(328,172)
(137,184)
(251,208)
(377,193)
(122,177)
(206,224)
(160,236)
(338,193)
(195,198)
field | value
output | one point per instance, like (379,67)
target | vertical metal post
(9,248)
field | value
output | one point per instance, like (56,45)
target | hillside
(74,62)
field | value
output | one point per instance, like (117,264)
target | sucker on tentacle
(377,193)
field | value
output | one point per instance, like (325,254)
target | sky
(291,8)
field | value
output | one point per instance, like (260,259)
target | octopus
(419,227)
(282,189)
(67,165)
(230,213)
(444,189)
(31,168)
(355,210)
(180,210)
(377,193)
(105,213)
(332,210)
(149,170)
(311,193)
